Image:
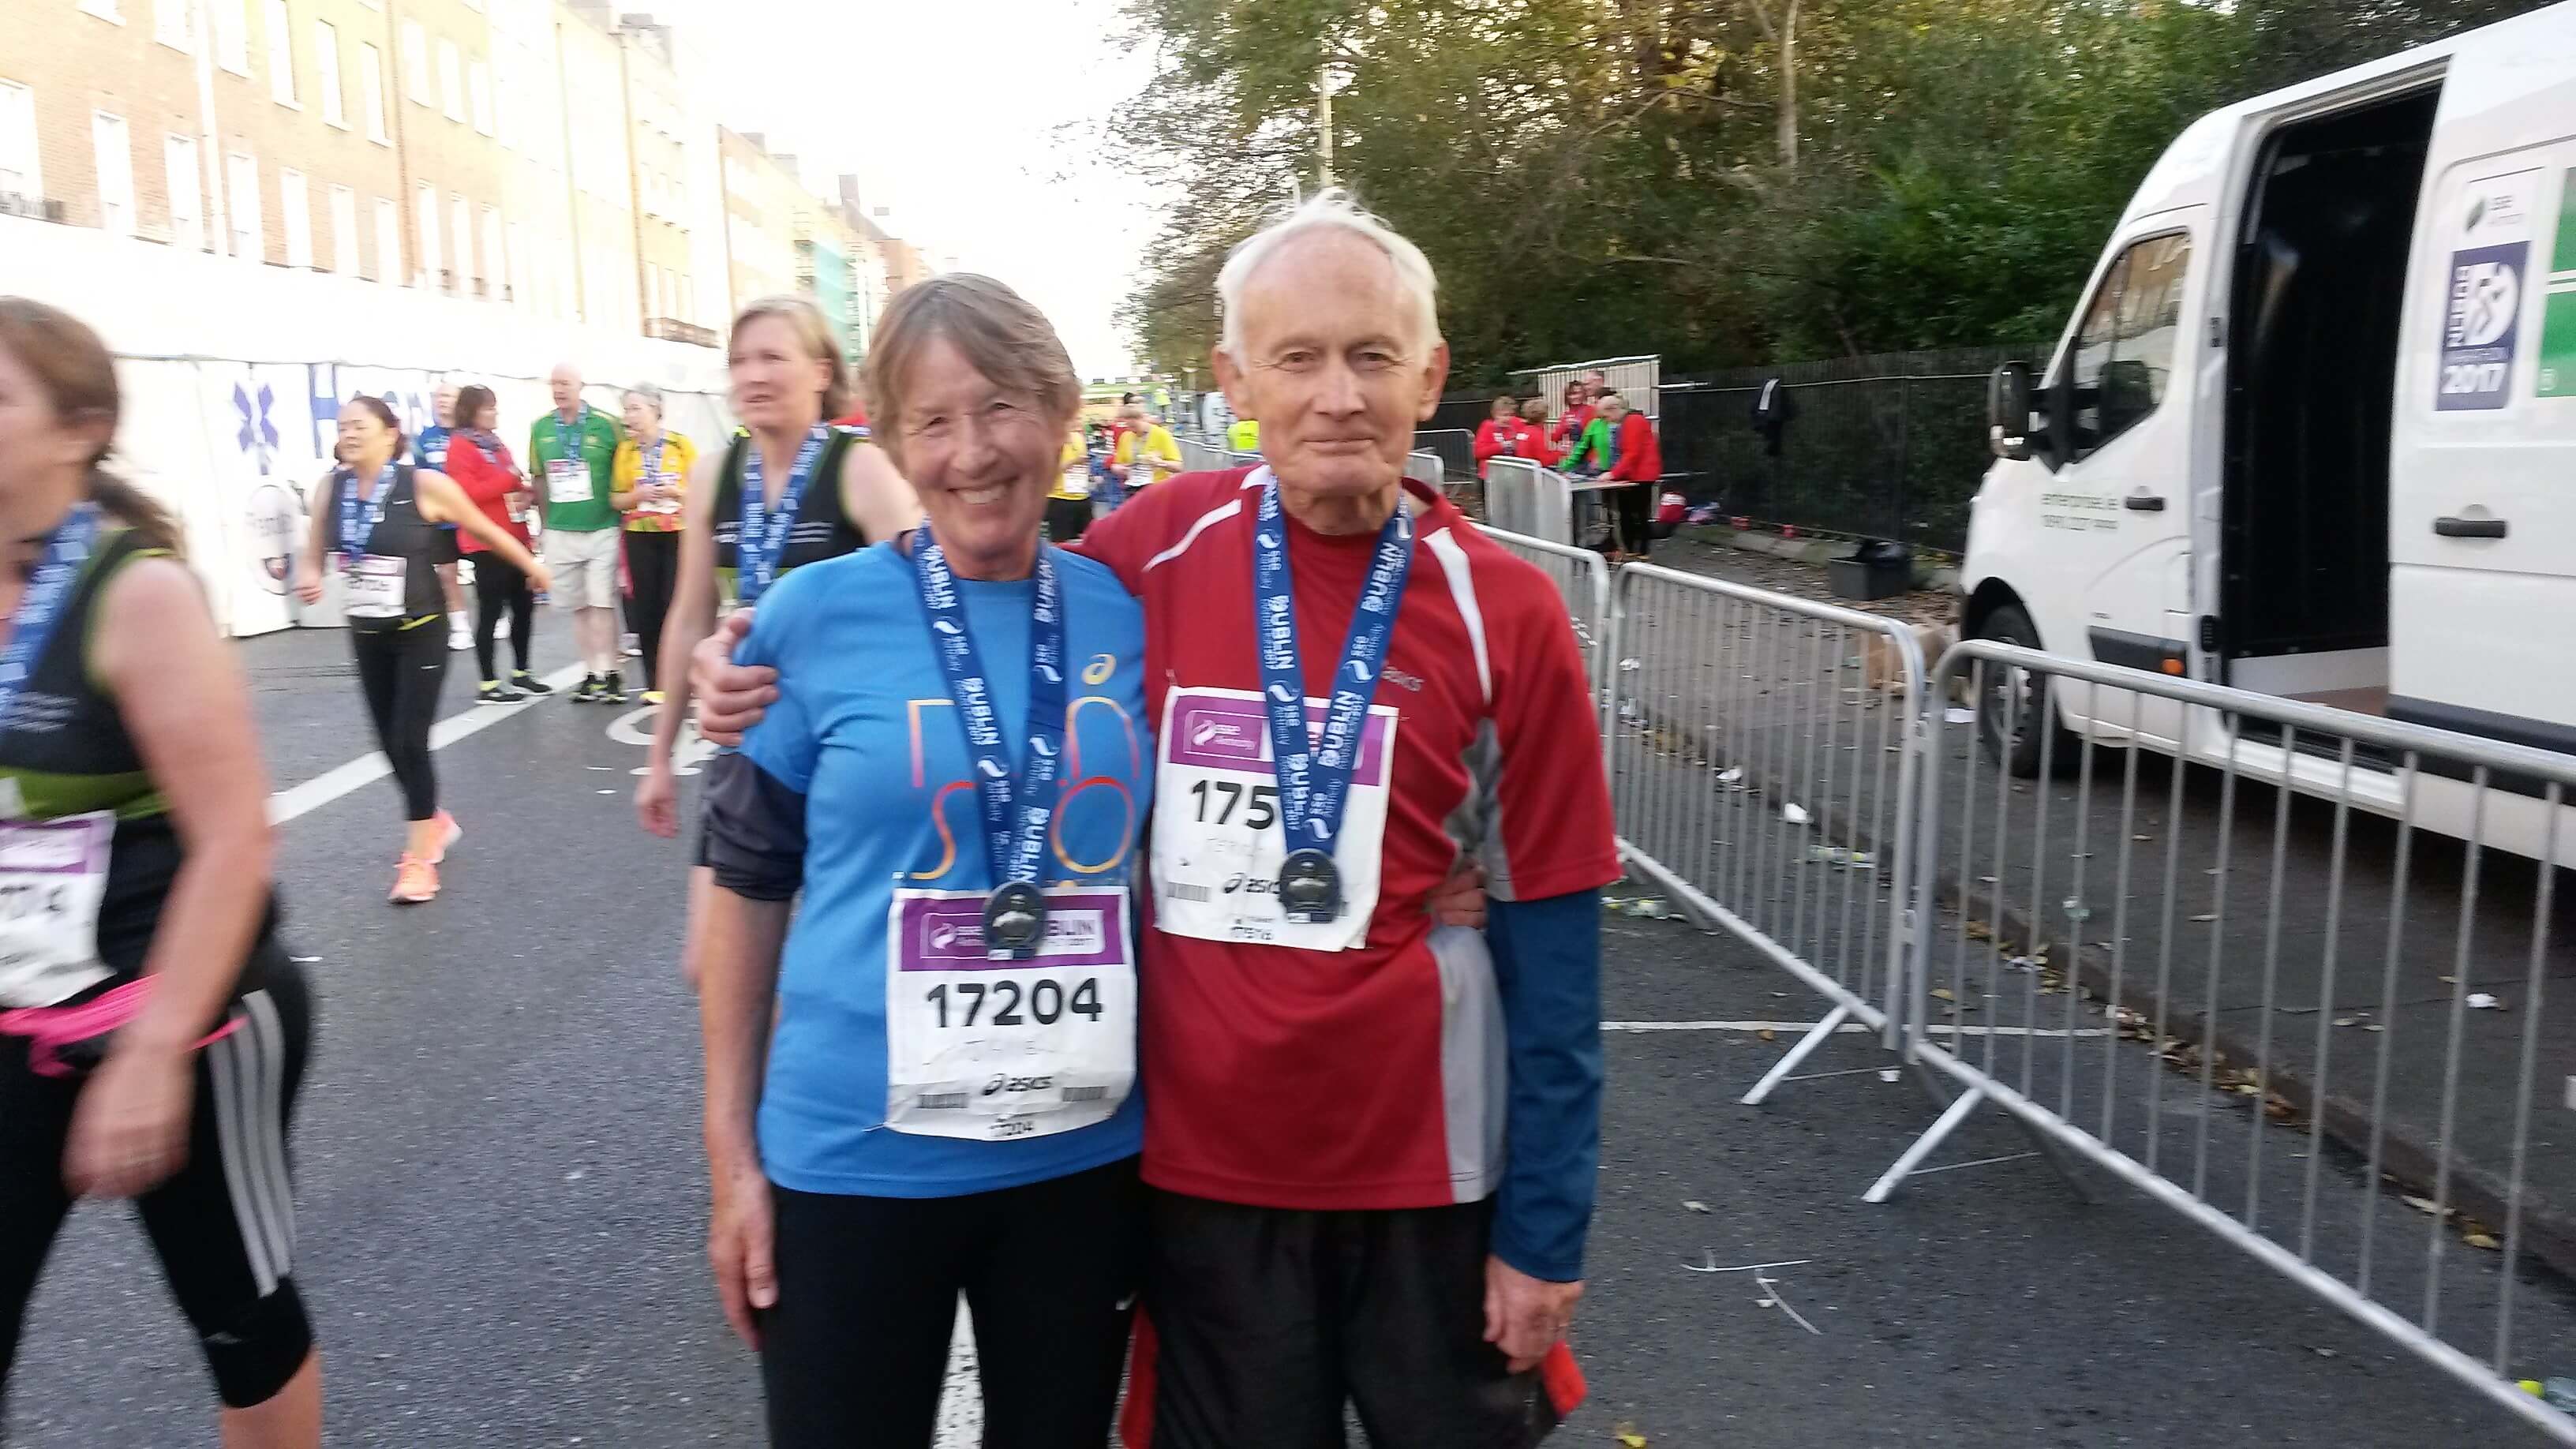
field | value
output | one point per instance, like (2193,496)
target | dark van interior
(2312,365)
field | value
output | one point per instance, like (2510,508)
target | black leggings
(223,1224)
(653,567)
(867,1299)
(497,586)
(1633,508)
(400,671)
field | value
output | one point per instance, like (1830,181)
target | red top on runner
(1368,1077)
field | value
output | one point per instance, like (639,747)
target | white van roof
(2491,70)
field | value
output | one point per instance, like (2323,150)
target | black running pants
(400,668)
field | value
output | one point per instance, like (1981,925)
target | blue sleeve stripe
(1547,967)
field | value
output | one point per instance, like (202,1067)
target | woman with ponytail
(141,980)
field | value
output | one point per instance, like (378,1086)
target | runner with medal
(143,991)
(924,1085)
(650,479)
(1372,1135)
(383,526)
(786,373)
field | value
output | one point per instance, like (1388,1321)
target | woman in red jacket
(1638,463)
(1533,436)
(1499,434)
(481,465)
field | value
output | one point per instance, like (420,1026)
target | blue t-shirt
(429,450)
(864,729)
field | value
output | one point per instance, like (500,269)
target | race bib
(661,480)
(994,1050)
(568,481)
(1218,842)
(53,874)
(372,588)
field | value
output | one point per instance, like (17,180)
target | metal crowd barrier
(2091,985)
(1523,498)
(1455,447)
(1203,457)
(1425,467)
(1582,580)
(1757,758)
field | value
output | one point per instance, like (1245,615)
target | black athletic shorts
(1261,1324)
(223,1225)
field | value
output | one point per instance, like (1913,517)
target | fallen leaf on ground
(2481,1240)
(1767,1034)
(2424,1205)
(2209,917)
(1942,993)
(1628,1437)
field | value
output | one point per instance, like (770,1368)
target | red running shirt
(1370,1077)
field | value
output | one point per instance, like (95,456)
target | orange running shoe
(415,882)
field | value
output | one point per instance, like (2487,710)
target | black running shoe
(588,693)
(612,690)
(526,683)
(495,692)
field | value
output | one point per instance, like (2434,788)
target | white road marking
(368,768)
(1801,1028)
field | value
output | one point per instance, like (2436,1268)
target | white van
(2312,430)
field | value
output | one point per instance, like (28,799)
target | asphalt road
(502,1196)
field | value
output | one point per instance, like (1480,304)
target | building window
(326,64)
(388,241)
(425,218)
(187,193)
(115,148)
(19,170)
(295,208)
(232,34)
(451,80)
(462,218)
(523,290)
(281,54)
(241,199)
(415,59)
(371,92)
(480,78)
(344,231)
(103,9)
(494,267)
(170,24)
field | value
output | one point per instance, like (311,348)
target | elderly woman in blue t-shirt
(953,778)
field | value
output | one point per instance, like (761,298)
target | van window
(2123,354)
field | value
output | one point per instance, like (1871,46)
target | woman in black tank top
(787,377)
(384,526)
(141,984)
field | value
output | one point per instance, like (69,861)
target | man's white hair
(1330,209)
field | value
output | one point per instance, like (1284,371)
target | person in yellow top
(1068,509)
(647,481)
(1244,436)
(1146,452)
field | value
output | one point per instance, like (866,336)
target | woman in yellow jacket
(1142,441)
(647,481)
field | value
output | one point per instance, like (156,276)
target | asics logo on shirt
(1017,1084)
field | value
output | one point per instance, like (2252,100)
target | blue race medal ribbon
(765,529)
(1315,777)
(41,607)
(1017,812)
(356,530)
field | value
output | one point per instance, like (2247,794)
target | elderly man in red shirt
(1638,465)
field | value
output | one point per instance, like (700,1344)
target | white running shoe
(460,635)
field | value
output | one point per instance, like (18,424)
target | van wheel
(2016,714)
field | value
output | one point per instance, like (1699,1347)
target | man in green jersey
(572,449)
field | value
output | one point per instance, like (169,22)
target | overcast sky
(951,112)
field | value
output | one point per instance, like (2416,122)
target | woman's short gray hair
(651,395)
(1333,209)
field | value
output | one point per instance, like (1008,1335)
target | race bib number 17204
(995,1050)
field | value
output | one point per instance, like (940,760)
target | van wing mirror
(2009,402)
